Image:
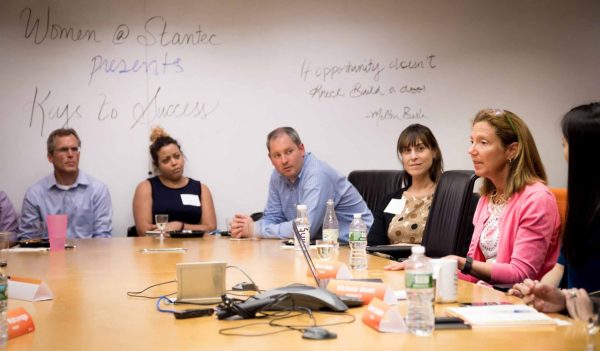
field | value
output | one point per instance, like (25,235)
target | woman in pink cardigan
(517,222)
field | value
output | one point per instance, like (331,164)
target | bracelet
(468,265)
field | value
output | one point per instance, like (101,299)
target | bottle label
(304,233)
(357,235)
(418,280)
(331,234)
(3,286)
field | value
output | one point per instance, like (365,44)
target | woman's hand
(396,266)
(173,226)
(543,297)
(522,290)
(579,304)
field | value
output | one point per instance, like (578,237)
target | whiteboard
(219,75)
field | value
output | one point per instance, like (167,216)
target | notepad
(501,315)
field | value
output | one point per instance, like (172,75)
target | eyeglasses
(66,150)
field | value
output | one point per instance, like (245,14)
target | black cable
(288,327)
(278,314)
(138,293)
(236,293)
(247,276)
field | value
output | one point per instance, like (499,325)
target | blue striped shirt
(87,204)
(316,183)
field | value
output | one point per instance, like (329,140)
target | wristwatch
(468,265)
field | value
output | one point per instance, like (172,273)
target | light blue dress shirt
(316,183)
(87,204)
(8,215)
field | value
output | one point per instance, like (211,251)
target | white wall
(536,58)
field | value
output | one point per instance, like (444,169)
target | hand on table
(242,226)
(542,297)
(396,266)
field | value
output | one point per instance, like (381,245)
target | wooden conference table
(91,310)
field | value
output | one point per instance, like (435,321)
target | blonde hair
(157,132)
(527,167)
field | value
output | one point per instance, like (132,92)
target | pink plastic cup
(57,231)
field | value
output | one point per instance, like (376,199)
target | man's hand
(242,226)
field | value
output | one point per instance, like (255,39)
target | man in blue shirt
(68,191)
(300,178)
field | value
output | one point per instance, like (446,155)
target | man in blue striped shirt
(85,200)
(300,178)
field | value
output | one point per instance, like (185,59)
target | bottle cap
(330,202)
(301,207)
(418,249)
(357,215)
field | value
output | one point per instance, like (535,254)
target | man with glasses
(84,199)
(301,178)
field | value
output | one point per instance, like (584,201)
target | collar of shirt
(82,180)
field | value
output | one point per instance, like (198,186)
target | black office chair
(131,231)
(450,222)
(374,185)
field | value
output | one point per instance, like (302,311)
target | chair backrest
(449,224)
(374,185)
(561,201)
(131,231)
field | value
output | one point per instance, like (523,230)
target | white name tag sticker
(190,200)
(395,206)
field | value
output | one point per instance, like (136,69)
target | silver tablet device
(200,282)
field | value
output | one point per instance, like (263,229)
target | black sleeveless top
(170,201)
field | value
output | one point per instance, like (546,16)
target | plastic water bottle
(419,291)
(303,226)
(358,243)
(331,227)
(3,305)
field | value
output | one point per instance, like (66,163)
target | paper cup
(444,274)
(57,231)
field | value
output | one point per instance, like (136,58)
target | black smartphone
(34,243)
(442,323)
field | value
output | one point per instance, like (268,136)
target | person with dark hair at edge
(579,260)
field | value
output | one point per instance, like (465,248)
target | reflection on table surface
(91,309)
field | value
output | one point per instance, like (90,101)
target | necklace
(425,191)
(497,199)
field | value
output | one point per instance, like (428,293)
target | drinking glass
(325,249)
(5,240)
(161,221)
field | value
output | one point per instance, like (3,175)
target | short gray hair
(60,132)
(277,132)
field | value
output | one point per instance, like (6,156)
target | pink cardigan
(529,236)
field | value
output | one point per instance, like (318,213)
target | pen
(171,249)
(485,303)
(519,311)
